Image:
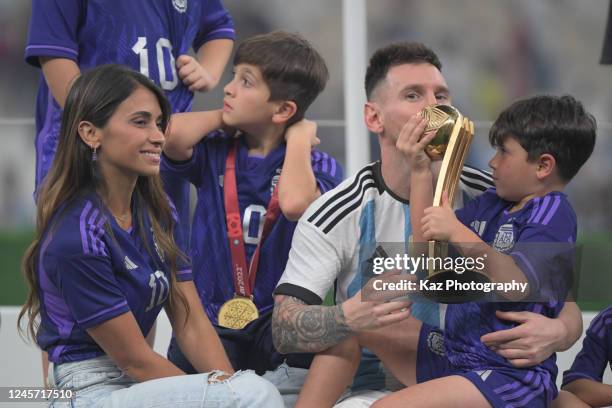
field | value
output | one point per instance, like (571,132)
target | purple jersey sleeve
(544,249)
(327,171)
(216,23)
(89,288)
(596,352)
(467,213)
(53,30)
(190,170)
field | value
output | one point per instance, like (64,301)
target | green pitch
(595,274)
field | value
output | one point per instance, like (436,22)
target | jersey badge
(504,239)
(180,5)
(435,343)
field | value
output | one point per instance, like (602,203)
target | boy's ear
(89,134)
(546,166)
(373,118)
(283,112)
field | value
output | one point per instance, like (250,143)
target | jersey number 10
(159,289)
(140,48)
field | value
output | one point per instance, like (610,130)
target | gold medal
(236,313)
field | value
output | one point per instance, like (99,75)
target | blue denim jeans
(98,382)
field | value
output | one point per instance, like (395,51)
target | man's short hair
(292,69)
(397,54)
(555,125)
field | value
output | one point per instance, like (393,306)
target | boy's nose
(492,162)
(228,89)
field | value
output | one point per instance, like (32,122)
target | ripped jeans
(98,382)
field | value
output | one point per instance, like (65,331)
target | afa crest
(504,239)
(435,343)
(180,5)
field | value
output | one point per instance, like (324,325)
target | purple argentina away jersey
(543,220)
(255,179)
(146,35)
(90,271)
(596,351)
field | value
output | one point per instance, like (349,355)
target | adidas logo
(478,226)
(484,374)
(129,264)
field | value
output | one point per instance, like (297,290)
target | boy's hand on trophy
(440,223)
(412,140)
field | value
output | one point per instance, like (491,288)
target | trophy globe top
(442,120)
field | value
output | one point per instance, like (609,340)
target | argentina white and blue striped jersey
(336,238)
(337,235)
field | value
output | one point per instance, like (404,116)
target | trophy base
(455,295)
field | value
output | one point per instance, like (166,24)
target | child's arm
(297,187)
(204,72)
(593,393)
(440,223)
(59,74)
(187,129)
(411,142)
(329,375)
(585,377)
(566,399)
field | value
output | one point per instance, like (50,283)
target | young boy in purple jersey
(541,144)
(107,256)
(149,36)
(584,378)
(276,77)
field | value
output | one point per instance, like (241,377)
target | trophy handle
(448,180)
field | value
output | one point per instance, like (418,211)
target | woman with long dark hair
(106,257)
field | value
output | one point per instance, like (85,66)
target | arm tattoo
(301,328)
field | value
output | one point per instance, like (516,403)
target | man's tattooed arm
(301,328)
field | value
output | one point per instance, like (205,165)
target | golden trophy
(454,133)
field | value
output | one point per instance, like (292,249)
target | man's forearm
(301,328)
(571,317)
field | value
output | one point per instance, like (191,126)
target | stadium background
(493,52)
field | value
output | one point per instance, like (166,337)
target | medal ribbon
(244,285)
